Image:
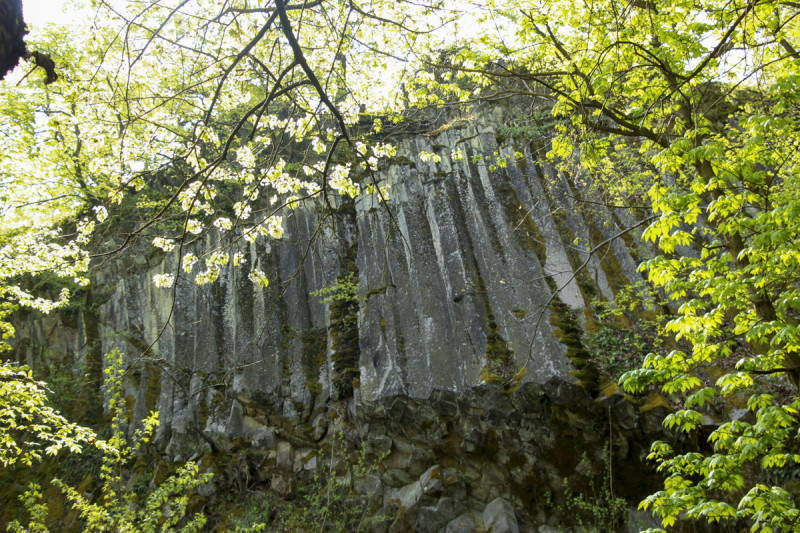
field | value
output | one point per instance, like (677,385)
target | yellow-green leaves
(710,93)
(28,425)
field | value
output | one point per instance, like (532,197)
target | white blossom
(100,212)
(194,227)
(163,280)
(245,157)
(242,210)
(223,223)
(188,262)
(318,145)
(165,244)
(259,278)
(271,227)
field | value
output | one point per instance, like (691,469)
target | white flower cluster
(340,180)
(163,281)
(259,278)
(214,265)
(273,227)
(242,210)
(318,146)
(223,223)
(188,262)
(194,198)
(245,157)
(165,244)
(100,213)
(85,231)
(194,226)
(430,156)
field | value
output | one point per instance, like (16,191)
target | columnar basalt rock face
(447,347)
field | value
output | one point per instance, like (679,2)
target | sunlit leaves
(161,508)
(29,427)
(709,94)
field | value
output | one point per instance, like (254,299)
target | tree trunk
(12,31)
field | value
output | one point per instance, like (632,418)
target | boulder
(499,517)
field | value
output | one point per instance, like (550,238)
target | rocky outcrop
(447,351)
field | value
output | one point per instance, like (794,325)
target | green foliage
(616,350)
(29,428)
(33,502)
(333,500)
(628,329)
(162,509)
(692,105)
(254,519)
(345,289)
(596,506)
(664,82)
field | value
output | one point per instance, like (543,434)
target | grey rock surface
(454,276)
(499,517)
(461,247)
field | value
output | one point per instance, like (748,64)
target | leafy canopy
(707,95)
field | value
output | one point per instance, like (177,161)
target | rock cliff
(434,326)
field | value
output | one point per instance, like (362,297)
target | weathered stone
(236,419)
(370,485)
(492,482)
(208,488)
(432,519)
(262,437)
(404,497)
(431,482)
(397,476)
(499,517)
(625,414)
(461,249)
(319,427)
(283,459)
(301,459)
(463,523)
(380,441)
(636,521)
(561,392)
(280,485)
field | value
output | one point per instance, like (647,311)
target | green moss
(315,356)
(654,401)
(344,334)
(153,391)
(569,334)
(519,313)
(500,368)
(380,290)
(525,229)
